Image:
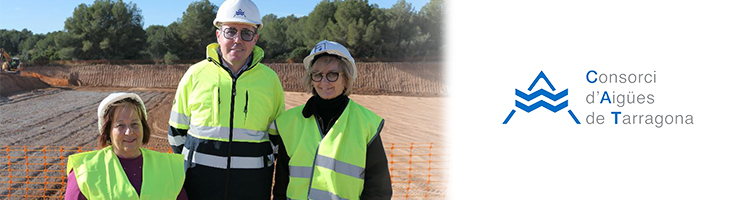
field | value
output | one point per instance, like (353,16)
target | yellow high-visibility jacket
(227,144)
(99,175)
(322,167)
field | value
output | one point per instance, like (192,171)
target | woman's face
(127,132)
(325,88)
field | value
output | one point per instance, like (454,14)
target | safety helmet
(111,99)
(240,11)
(334,48)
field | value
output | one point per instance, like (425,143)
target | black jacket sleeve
(281,177)
(179,143)
(377,176)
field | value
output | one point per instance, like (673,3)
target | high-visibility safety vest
(218,109)
(99,175)
(330,167)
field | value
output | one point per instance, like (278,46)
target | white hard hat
(334,48)
(111,99)
(240,11)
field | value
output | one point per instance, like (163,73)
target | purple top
(133,169)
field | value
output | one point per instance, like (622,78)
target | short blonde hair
(325,58)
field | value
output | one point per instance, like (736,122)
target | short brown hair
(106,135)
(346,72)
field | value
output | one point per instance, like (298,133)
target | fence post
(10,171)
(391,170)
(429,171)
(408,185)
(44,156)
(26,157)
(65,175)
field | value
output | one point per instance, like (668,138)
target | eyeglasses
(331,76)
(246,34)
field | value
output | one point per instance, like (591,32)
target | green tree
(169,58)
(271,36)
(174,44)
(47,48)
(27,47)
(352,18)
(376,35)
(280,36)
(295,38)
(314,28)
(431,17)
(105,30)
(156,42)
(196,30)
(44,49)
(402,37)
(11,40)
(349,20)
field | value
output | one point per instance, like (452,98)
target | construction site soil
(48,106)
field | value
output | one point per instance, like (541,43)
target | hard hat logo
(239,12)
(333,48)
(320,47)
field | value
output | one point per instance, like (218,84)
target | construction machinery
(10,65)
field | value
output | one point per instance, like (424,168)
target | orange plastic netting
(418,170)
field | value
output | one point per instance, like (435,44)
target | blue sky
(48,16)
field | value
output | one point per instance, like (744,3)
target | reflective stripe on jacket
(99,175)
(330,166)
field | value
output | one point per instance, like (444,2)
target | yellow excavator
(10,65)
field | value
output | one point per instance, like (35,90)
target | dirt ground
(12,83)
(66,116)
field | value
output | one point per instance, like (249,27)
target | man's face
(232,42)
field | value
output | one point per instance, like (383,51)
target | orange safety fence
(418,170)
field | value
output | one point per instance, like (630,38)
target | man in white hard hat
(222,110)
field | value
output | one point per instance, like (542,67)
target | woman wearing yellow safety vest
(122,169)
(331,147)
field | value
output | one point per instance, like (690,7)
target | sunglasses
(231,33)
(331,76)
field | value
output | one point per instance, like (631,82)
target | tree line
(113,30)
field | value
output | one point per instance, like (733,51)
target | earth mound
(11,84)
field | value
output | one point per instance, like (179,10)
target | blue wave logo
(544,93)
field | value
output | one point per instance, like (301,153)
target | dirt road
(58,117)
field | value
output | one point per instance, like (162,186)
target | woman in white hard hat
(122,169)
(331,147)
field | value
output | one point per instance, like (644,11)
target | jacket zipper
(247,100)
(231,136)
(231,116)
